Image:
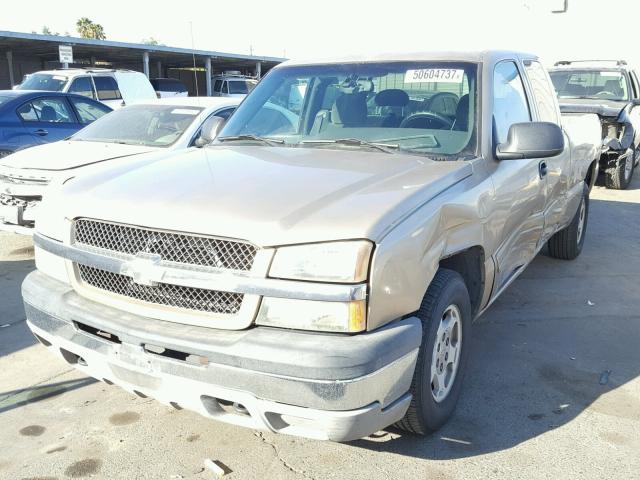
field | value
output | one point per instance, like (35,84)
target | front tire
(446,333)
(618,177)
(567,243)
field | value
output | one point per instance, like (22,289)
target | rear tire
(446,328)
(618,177)
(567,243)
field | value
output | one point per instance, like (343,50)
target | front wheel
(446,333)
(567,243)
(618,177)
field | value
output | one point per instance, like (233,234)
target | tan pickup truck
(316,270)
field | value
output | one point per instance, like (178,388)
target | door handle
(542,168)
(42,132)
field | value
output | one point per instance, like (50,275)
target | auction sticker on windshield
(444,75)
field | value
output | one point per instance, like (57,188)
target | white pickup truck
(318,278)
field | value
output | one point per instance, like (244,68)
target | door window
(509,100)
(88,111)
(217,86)
(82,86)
(52,110)
(107,88)
(543,93)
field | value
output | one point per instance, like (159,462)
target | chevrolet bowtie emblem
(142,269)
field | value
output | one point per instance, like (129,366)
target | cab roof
(479,56)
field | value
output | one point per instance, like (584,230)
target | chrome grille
(199,299)
(172,247)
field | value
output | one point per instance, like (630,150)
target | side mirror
(531,140)
(209,130)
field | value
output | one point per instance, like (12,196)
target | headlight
(339,262)
(313,315)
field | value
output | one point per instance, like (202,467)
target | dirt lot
(553,390)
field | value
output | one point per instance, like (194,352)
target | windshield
(43,81)
(596,84)
(147,125)
(412,107)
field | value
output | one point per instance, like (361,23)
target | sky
(298,29)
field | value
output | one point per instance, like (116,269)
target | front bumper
(324,386)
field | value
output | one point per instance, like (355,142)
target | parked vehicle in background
(317,278)
(115,88)
(610,89)
(169,87)
(124,135)
(34,118)
(232,85)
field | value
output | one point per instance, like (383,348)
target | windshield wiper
(249,136)
(356,142)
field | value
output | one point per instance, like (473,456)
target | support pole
(207,64)
(145,63)
(10,63)
(159,65)
(258,70)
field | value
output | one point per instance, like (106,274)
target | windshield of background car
(44,81)
(147,125)
(596,84)
(423,108)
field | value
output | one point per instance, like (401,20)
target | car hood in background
(267,195)
(604,108)
(69,154)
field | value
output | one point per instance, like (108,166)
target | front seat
(350,110)
(461,122)
(48,114)
(395,98)
(613,86)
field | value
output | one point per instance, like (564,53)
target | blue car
(29,118)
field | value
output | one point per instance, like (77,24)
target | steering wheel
(605,94)
(427,120)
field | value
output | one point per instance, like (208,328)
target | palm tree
(88,29)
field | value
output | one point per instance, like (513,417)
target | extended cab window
(423,108)
(509,100)
(53,110)
(82,86)
(543,93)
(107,88)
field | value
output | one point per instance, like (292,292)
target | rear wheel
(446,331)
(619,176)
(567,243)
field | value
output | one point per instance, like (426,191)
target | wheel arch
(470,264)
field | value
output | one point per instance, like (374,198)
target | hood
(266,195)
(604,108)
(67,154)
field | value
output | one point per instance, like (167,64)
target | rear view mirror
(209,131)
(531,140)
